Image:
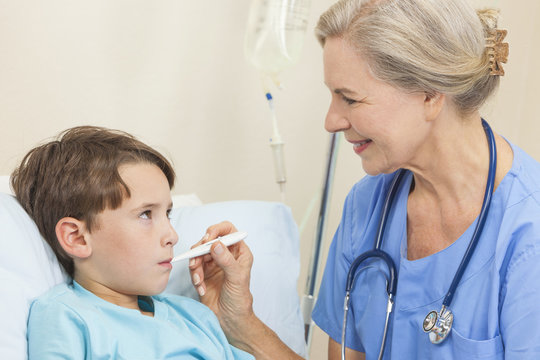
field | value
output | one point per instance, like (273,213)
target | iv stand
(308,300)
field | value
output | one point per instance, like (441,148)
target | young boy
(101,199)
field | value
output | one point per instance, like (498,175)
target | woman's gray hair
(429,46)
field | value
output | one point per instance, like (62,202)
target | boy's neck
(111,295)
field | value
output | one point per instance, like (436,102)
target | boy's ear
(70,233)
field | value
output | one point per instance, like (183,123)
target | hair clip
(497,51)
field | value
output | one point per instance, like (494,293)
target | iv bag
(275,33)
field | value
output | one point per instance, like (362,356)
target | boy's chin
(156,289)
(161,288)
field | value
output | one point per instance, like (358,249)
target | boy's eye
(169,214)
(146,214)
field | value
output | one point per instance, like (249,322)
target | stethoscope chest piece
(438,325)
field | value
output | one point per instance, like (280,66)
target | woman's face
(386,125)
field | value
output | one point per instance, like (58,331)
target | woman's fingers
(202,267)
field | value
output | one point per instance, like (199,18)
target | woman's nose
(335,120)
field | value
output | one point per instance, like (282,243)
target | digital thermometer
(204,249)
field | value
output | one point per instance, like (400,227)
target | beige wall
(173,73)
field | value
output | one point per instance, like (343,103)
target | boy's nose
(170,237)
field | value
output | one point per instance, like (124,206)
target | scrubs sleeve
(520,311)
(55,332)
(328,312)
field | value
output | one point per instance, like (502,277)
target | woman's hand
(222,281)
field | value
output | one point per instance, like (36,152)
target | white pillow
(186,200)
(4,184)
(274,241)
(28,267)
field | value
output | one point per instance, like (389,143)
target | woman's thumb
(222,256)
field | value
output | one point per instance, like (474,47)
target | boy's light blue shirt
(70,322)
(496,305)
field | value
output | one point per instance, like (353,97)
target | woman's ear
(433,105)
(71,234)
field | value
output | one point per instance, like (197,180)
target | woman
(407,79)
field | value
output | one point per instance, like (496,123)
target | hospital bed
(28,266)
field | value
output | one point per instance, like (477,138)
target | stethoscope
(436,324)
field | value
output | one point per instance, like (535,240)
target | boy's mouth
(166,263)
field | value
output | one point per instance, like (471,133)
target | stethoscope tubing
(386,207)
(490,185)
(391,286)
(389,308)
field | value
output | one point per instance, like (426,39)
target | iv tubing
(277,149)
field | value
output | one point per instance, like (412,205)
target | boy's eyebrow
(153,205)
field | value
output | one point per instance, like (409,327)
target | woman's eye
(348,100)
(146,214)
(169,214)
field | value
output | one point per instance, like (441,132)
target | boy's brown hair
(77,176)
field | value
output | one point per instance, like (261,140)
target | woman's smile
(360,146)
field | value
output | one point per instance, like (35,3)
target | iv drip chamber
(275,33)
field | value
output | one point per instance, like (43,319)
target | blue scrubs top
(496,305)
